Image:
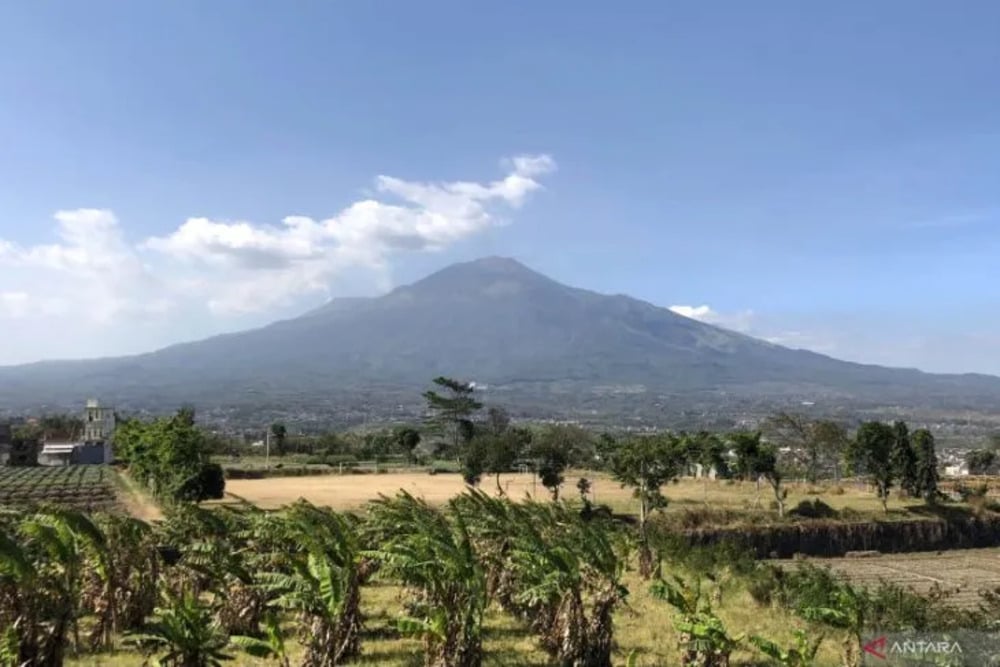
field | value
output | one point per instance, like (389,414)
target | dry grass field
(961,573)
(350,492)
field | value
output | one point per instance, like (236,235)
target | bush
(208,484)
(813,509)
(764,584)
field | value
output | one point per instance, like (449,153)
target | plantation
(85,487)
(479,580)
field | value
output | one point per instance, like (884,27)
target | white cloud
(93,274)
(741,321)
(14,304)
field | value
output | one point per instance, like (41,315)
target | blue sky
(821,174)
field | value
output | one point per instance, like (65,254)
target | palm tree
(431,552)
(186,633)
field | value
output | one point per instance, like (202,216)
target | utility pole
(267,449)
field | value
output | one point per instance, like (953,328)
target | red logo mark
(875,647)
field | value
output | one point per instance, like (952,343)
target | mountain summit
(494,321)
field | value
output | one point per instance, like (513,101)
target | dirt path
(137,502)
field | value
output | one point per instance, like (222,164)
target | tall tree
(645,464)
(451,412)
(870,453)
(927,465)
(904,459)
(278,434)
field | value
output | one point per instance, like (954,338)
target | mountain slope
(492,320)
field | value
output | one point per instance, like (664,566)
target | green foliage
(871,453)
(554,449)
(981,461)
(185,634)
(904,459)
(171,456)
(704,640)
(801,654)
(278,435)
(757,460)
(431,552)
(926,465)
(451,413)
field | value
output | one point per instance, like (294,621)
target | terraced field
(87,487)
(961,573)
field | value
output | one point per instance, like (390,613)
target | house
(75,453)
(98,422)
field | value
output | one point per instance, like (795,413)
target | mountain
(495,321)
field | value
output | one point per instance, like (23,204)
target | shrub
(813,509)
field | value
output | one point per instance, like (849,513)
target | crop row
(84,487)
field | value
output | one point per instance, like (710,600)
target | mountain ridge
(493,320)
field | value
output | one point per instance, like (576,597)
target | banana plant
(801,654)
(431,552)
(319,579)
(704,640)
(271,645)
(186,634)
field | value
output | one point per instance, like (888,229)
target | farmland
(959,574)
(87,487)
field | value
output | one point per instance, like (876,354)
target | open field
(961,573)
(349,492)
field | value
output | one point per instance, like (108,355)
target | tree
(817,444)
(870,453)
(645,464)
(904,459)
(756,460)
(499,453)
(554,449)
(926,465)
(832,440)
(796,432)
(452,411)
(278,433)
(407,440)
(981,461)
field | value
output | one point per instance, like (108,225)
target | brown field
(961,573)
(349,492)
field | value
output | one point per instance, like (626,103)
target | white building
(98,422)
